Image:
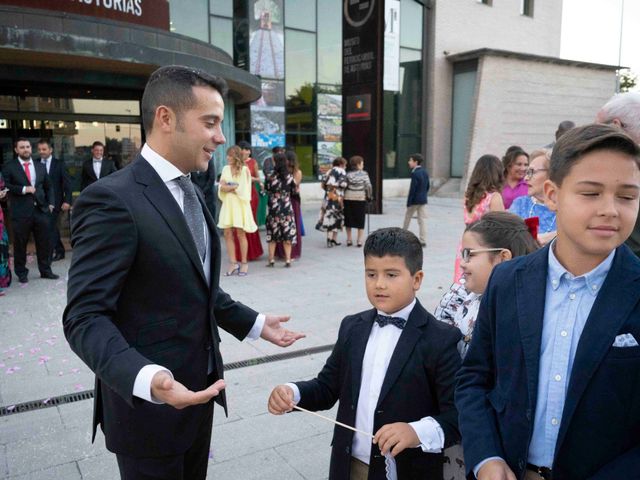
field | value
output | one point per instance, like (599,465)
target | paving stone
(100,467)
(309,457)
(24,426)
(67,471)
(259,465)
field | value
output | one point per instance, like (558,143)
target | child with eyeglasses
(495,238)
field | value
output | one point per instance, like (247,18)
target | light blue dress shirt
(568,302)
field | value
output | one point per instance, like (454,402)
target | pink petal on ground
(78,386)
(210,453)
(11,408)
(11,312)
(75,370)
(46,400)
(60,374)
(1,365)
(21,354)
(9,371)
(54,336)
(64,360)
(17,368)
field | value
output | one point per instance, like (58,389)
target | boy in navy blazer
(550,387)
(417,198)
(392,369)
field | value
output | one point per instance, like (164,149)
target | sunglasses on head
(467,253)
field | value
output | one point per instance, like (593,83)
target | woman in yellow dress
(236,215)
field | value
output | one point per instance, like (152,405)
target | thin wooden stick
(333,421)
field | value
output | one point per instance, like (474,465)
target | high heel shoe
(243,273)
(233,271)
(335,243)
(349,243)
(287,264)
(329,243)
(271,263)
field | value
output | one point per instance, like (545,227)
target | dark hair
(339,162)
(21,139)
(504,230)
(579,141)
(280,166)
(244,145)
(42,141)
(416,157)
(487,176)
(355,161)
(511,156)
(172,86)
(97,143)
(275,150)
(564,127)
(292,161)
(396,242)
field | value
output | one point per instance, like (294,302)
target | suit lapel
(603,324)
(358,343)
(411,333)
(531,281)
(158,194)
(103,168)
(214,241)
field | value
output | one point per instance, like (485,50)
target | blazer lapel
(103,167)
(411,333)
(158,194)
(531,281)
(605,320)
(358,339)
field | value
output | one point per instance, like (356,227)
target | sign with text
(151,13)
(392,45)
(362,70)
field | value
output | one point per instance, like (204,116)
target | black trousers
(192,465)
(38,223)
(55,244)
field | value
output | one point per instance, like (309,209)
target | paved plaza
(36,362)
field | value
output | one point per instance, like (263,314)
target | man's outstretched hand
(170,391)
(274,332)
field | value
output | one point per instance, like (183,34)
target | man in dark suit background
(206,181)
(417,198)
(61,194)
(147,324)
(96,167)
(30,204)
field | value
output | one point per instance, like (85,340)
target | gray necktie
(193,214)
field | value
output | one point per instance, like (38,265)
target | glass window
(300,61)
(223,8)
(189,17)
(527,8)
(301,14)
(222,34)
(411,24)
(330,42)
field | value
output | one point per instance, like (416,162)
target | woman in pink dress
(482,196)
(515,163)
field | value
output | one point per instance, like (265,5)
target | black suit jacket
(419,383)
(496,396)
(22,206)
(137,295)
(89,176)
(206,181)
(60,182)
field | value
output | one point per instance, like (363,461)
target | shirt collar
(97,159)
(163,167)
(403,313)
(24,162)
(47,160)
(593,279)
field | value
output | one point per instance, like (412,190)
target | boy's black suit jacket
(138,295)
(419,383)
(22,206)
(599,435)
(107,167)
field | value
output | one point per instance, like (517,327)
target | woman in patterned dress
(5,273)
(281,224)
(334,184)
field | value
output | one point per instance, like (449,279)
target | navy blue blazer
(419,382)
(419,187)
(496,391)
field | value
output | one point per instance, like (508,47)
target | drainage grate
(88,394)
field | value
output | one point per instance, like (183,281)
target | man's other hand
(168,390)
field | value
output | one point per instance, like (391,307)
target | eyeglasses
(467,253)
(530,172)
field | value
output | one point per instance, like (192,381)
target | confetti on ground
(75,370)
(11,408)
(210,454)
(79,386)
(60,374)
(46,400)
(43,359)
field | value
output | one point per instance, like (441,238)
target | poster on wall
(267,116)
(329,130)
(266,38)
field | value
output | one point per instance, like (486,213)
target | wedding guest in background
(254,244)
(356,196)
(296,173)
(515,163)
(417,198)
(281,224)
(97,166)
(334,184)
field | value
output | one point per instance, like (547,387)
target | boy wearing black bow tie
(392,369)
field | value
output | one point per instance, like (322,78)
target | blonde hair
(236,159)
(541,152)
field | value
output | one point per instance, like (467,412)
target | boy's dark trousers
(599,436)
(419,382)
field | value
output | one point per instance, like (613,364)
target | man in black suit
(30,203)
(96,167)
(61,194)
(144,302)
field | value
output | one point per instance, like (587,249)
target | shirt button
(564,333)
(554,282)
(557,378)
(572,296)
(554,421)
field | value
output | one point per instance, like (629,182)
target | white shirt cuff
(430,434)
(479,466)
(142,385)
(256,330)
(296,392)
(24,190)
